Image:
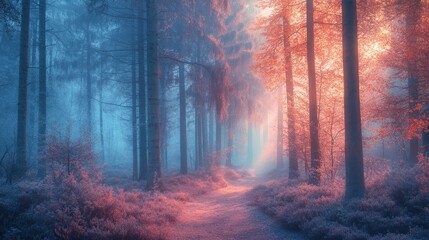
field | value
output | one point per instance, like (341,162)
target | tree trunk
(314,122)
(293,159)
(134,99)
(230,138)
(164,120)
(280,163)
(100,96)
(33,95)
(355,186)
(88,80)
(197,140)
(204,134)
(42,85)
(200,140)
(183,138)
(412,18)
(154,151)
(142,92)
(211,131)
(22,89)
(218,141)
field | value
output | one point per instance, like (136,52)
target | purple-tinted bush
(396,207)
(73,202)
(86,209)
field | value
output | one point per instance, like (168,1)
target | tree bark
(22,89)
(142,92)
(88,80)
(154,151)
(134,99)
(218,141)
(280,162)
(355,186)
(42,85)
(412,18)
(211,131)
(197,140)
(100,96)
(314,122)
(229,132)
(293,159)
(33,94)
(164,120)
(204,134)
(183,137)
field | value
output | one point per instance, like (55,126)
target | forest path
(226,214)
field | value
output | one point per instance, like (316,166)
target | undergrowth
(74,203)
(396,206)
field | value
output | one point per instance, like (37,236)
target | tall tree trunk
(143,171)
(42,85)
(293,159)
(211,126)
(355,186)
(306,167)
(229,135)
(164,120)
(280,162)
(100,96)
(204,134)
(412,18)
(33,95)
(200,140)
(314,122)
(154,151)
(197,140)
(218,141)
(183,138)
(88,80)
(134,98)
(22,89)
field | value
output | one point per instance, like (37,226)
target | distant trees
(238,46)
(412,34)
(402,92)
(9,14)
(278,71)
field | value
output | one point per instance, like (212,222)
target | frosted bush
(396,206)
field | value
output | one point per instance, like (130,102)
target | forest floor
(226,214)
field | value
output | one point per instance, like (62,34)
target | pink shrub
(396,207)
(73,203)
(84,208)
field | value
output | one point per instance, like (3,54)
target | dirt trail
(225,214)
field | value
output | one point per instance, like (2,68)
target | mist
(214,119)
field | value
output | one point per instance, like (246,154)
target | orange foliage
(375,41)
